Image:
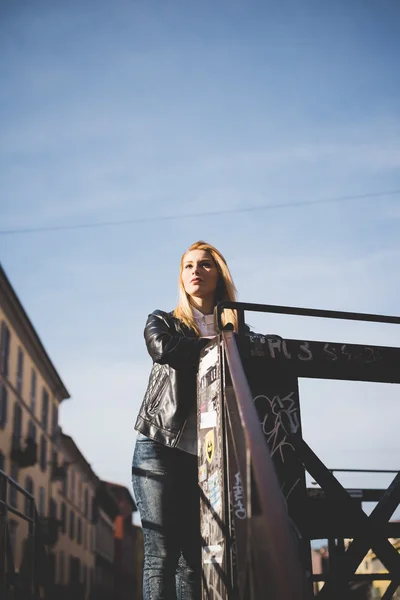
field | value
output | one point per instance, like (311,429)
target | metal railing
(28,579)
(269,516)
(250,546)
(273,569)
(241,307)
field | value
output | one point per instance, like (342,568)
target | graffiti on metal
(211,476)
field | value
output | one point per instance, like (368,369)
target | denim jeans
(166,490)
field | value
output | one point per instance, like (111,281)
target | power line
(197,215)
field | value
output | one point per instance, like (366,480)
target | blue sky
(133,109)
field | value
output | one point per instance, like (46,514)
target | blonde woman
(164,468)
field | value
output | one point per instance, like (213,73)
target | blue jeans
(166,490)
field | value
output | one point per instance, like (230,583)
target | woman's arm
(165,346)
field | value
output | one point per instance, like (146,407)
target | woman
(164,469)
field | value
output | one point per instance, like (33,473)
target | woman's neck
(204,305)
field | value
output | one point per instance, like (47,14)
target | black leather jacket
(171,392)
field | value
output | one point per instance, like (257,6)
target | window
(32,430)
(51,568)
(1,461)
(33,391)
(5,349)
(43,453)
(63,518)
(72,524)
(17,427)
(13,525)
(29,504)
(94,510)
(53,508)
(20,371)
(13,489)
(74,570)
(86,501)
(3,405)
(54,422)
(42,500)
(79,532)
(80,493)
(65,484)
(73,486)
(62,568)
(45,409)
(17,423)
(54,462)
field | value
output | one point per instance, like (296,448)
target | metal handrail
(390,499)
(285,576)
(364,470)
(297,311)
(37,545)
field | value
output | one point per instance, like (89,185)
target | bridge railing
(273,565)
(257,516)
(250,546)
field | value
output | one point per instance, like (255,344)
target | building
(87,529)
(128,566)
(107,511)
(73,556)
(372,565)
(31,392)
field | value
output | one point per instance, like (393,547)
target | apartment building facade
(80,515)
(31,392)
(72,556)
(107,511)
(128,547)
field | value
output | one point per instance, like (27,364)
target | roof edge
(19,315)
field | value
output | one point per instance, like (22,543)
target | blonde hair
(225,289)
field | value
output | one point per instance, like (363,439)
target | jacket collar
(184,329)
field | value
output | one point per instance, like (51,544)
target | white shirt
(205,323)
(188,439)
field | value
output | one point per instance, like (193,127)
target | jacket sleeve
(165,346)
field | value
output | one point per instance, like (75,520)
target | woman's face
(199,275)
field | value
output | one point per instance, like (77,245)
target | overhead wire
(176,217)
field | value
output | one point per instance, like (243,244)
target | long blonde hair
(225,289)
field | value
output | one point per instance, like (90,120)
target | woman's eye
(188,266)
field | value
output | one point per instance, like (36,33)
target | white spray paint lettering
(238,495)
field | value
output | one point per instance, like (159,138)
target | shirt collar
(209,319)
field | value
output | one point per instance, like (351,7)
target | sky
(146,112)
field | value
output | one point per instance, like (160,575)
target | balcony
(49,529)
(24,454)
(58,472)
